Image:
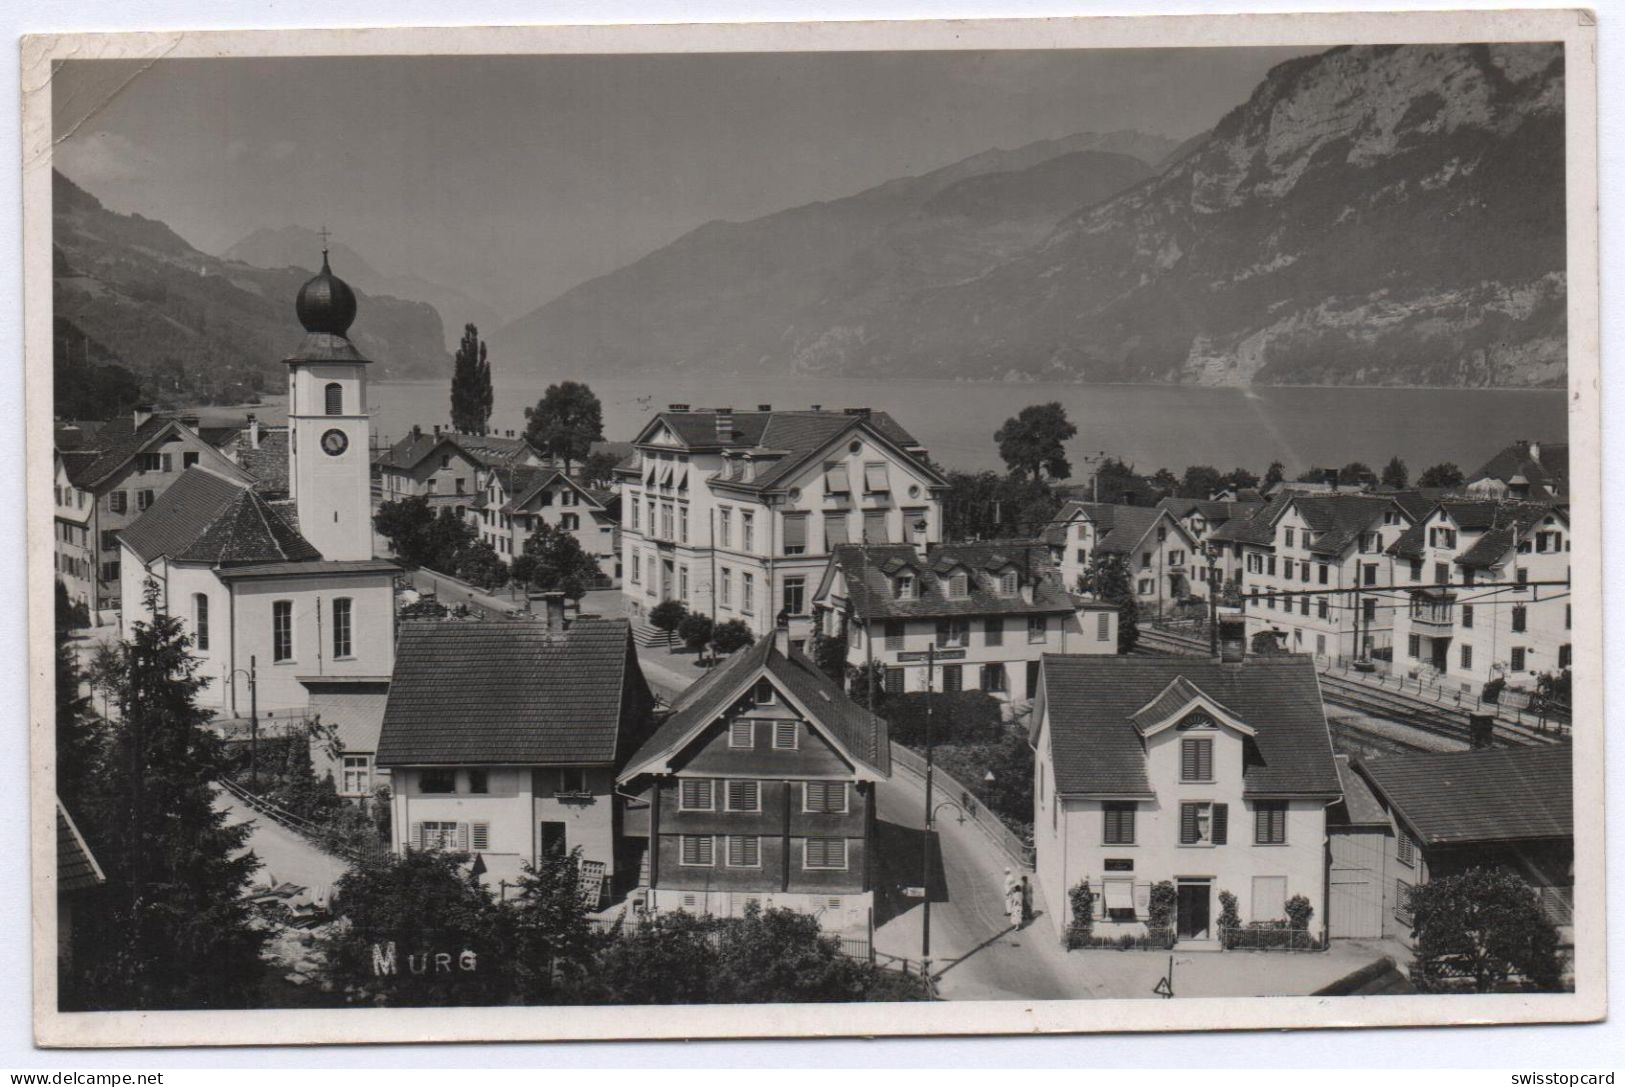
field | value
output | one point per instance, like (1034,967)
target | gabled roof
(268,464)
(856,733)
(1120,528)
(204,518)
(1338,520)
(1498,522)
(486,450)
(1216,512)
(1090,701)
(868,570)
(1491,795)
(790,438)
(1257,528)
(76,867)
(1548,468)
(1177,701)
(504,692)
(1360,807)
(115,444)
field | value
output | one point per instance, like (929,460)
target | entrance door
(667,571)
(1193,910)
(1441,654)
(553,841)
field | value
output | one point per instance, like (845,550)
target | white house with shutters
(1211,775)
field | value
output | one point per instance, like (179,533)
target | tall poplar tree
(471,396)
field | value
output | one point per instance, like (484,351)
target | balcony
(1433,613)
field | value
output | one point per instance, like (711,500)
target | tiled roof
(219,436)
(309,568)
(1258,528)
(869,569)
(797,435)
(269,463)
(204,518)
(1550,469)
(503,692)
(1120,528)
(1337,520)
(1497,521)
(1096,749)
(487,450)
(115,443)
(861,734)
(76,867)
(1491,795)
(1361,808)
(1216,512)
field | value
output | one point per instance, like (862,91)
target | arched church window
(335,398)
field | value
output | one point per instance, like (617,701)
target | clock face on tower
(334,442)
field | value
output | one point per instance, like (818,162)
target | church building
(286,597)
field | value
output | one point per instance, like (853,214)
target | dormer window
(764,694)
(905,587)
(1007,583)
(958,586)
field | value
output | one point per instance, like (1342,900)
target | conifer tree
(171,928)
(471,396)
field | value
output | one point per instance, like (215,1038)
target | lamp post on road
(253,722)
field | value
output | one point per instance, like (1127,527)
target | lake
(1150,426)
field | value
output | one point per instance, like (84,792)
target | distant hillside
(299,247)
(192,326)
(1372,215)
(731,297)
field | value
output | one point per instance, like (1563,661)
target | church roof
(326,304)
(205,518)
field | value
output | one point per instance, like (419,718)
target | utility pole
(930,820)
(1213,600)
(253,728)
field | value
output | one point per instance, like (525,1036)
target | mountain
(299,247)
(730,297)
(195,327)
(1371,215)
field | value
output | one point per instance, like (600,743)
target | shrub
(731,636)
(1164,897)
(1493,689)
(1229,915)
(1298,912)
(1480,928)
(695,631)
(1082,928)
(667,616)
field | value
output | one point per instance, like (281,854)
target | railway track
(1440,720)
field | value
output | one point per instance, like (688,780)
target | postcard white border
(1575,28)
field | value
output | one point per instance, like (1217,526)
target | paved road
(284,855)
(975,953)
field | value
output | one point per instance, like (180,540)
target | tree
(479,564)
(395,914)
(1108,579)
(667,616)
(663,959)
(554,945)
(1033,443)
(1200,481)
(80,736)
(1441,475)
(1082,926)
(1484,925)
(1241,478)
(170,928)
(731,636)
(471,397)
(829,653)
(1395,474)
(598,469)
(1355,472)
(558,562)
(565,422)
(863,678)
(1165,481)
(421,536)
(695,631)
(1274,474)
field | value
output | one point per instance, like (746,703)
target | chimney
(191,421)
(1027,585)
(676,407)
(1534,452)
(1481,730)
(725,425)
(140,415)
(553,607)
(917,533)
(437,430)
(253,431)
(781,634)
(1232,640)
(818,407)
(417,431)
(764,407)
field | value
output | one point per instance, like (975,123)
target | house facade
(1213,775)
(504,738)
(735,513)
(1163,560)
(105,482)
(446,467)
(1472,615)
(1525,470)
(515,500)
(760,788)
(990,610)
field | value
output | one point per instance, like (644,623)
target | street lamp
(253,722)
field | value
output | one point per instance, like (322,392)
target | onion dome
(326,303)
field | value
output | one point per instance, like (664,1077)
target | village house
(503,738)
(272,596)
(1213,775)
(1510,809)
(1467,621)
(516,499)
(990,609)
(78,875)
(735,513)
(106,478)
(1524,470)
(446,467)
(760,788)
(1315,544)
(1163,560)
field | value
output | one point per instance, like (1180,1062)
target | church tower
(329,470)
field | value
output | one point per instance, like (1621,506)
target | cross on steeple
(324,233)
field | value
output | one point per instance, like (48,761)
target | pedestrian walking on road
(1015,899)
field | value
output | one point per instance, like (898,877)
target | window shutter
(482,836)
(1204,760)
(417,836)
(1187,760)
(1221,823)
(1125,822)
(784,734)
(942,631)
(834,530)
(1187,824)
(795,530)
(1261,824)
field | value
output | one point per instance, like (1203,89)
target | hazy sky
(515,178)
